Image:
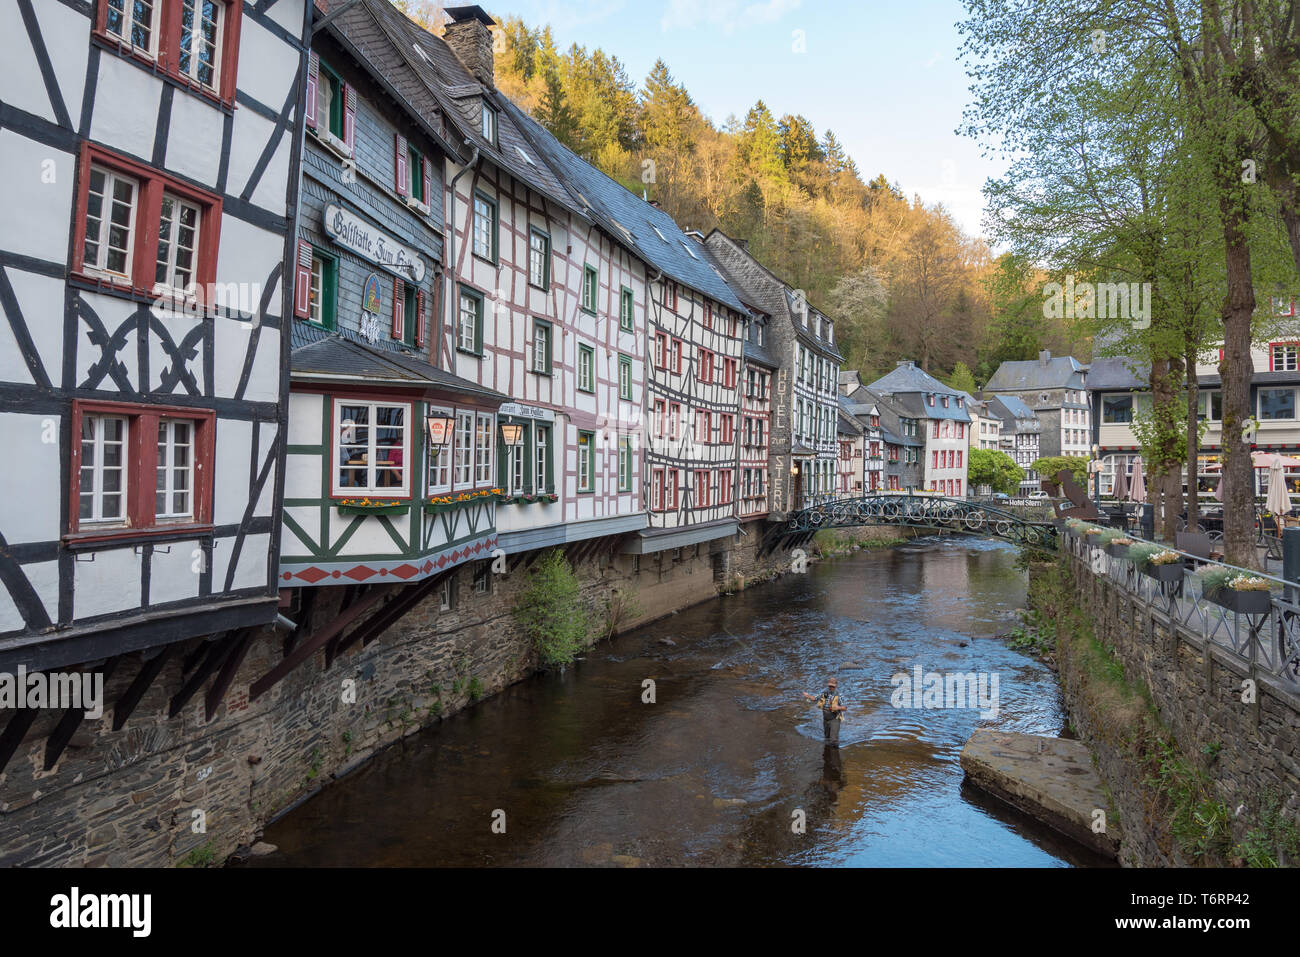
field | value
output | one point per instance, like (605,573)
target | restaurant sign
(352,232)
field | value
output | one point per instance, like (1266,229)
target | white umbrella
(1278,500)
(1137,484)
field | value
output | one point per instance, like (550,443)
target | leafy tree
(551,613)
(997,470)
(1049,465)
(961,379)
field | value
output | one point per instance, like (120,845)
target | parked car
(1038,494)
(1001,497)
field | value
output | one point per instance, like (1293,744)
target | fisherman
(832,710)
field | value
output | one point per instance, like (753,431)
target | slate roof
(775,297)
(318,352)
(1057,372)
(640,226)
(456,92)
(891,415)
(1116,373)
(1011,411)
(761,354)
(907,384)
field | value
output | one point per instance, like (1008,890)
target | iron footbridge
(924,511)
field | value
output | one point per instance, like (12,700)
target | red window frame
(708,315)
(724,487)
(702,488)
(168,29)
(1271,346)
(677,351)
(659,424)
(706,365)
(703,427)
(661,350)
(674,420)
(142,460)
(144,250)
(727,426)
(657,499)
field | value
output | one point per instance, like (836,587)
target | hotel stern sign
(352,232)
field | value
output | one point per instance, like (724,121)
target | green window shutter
(478,327)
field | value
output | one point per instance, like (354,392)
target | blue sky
(883,74)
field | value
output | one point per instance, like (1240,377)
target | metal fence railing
(1268,641)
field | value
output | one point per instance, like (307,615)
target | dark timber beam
(219,687)
(309,646)
(71,720)
(143,679)
(395,610)
(216,653)
(15,731)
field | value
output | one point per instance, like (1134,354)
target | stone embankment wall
(173,790)
(1245,753)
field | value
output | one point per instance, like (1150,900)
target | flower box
(1168,573)
(373,508)
(1118,551)
(1242,601)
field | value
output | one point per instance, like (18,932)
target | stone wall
(1250,751)
(163,791)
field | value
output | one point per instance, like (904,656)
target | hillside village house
(1120,392)
(149,178)
(986,428)
(944,424)
(804,433)
(850,463)
(1056,389)
(1018,436)
(757,375)
(392,463)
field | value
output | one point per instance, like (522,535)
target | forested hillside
(899,276)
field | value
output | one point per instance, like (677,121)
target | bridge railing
(1264,635)
(925,511)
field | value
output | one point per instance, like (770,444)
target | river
(727,766)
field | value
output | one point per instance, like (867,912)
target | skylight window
(689,250)
(527,159)
(659,234)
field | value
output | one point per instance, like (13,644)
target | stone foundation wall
(1250,751)
(165,791)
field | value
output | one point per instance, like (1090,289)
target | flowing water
(728,761)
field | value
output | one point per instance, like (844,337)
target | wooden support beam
(310,645)
(14,733)
(233,660)
(393,612)
(216,654)
(68,724)
(131,697)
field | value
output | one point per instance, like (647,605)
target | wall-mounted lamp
(439,427)
(512,435)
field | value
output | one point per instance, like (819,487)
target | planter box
(1165,573)
(1242,602)
(1118,551)
(398,508)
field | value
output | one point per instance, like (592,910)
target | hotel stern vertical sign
(352,232)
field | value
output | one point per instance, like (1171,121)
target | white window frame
(174,225)
(462,475)
(484,446)
(541,347)
(541,456)
(538,259)
(128,21)
(483,226)
(96,490)
(586,368)
(167,466)
(474,319)
(625,463)
(586,479)
(197,41)
(488,124)
(372,431)
(111,177)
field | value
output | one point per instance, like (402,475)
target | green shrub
(551,613)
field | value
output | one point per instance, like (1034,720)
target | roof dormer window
(930,399)
(945,402)
(488,124)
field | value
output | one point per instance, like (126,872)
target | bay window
(439,479)
(372,448)
(483,449)
(464,452)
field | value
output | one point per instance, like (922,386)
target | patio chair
(1198,545)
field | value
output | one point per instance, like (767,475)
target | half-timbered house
(392,463)
(759,376)
(944,420)
(539,303)
(805,405)
(148,177)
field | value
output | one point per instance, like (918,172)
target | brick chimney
(468,33)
